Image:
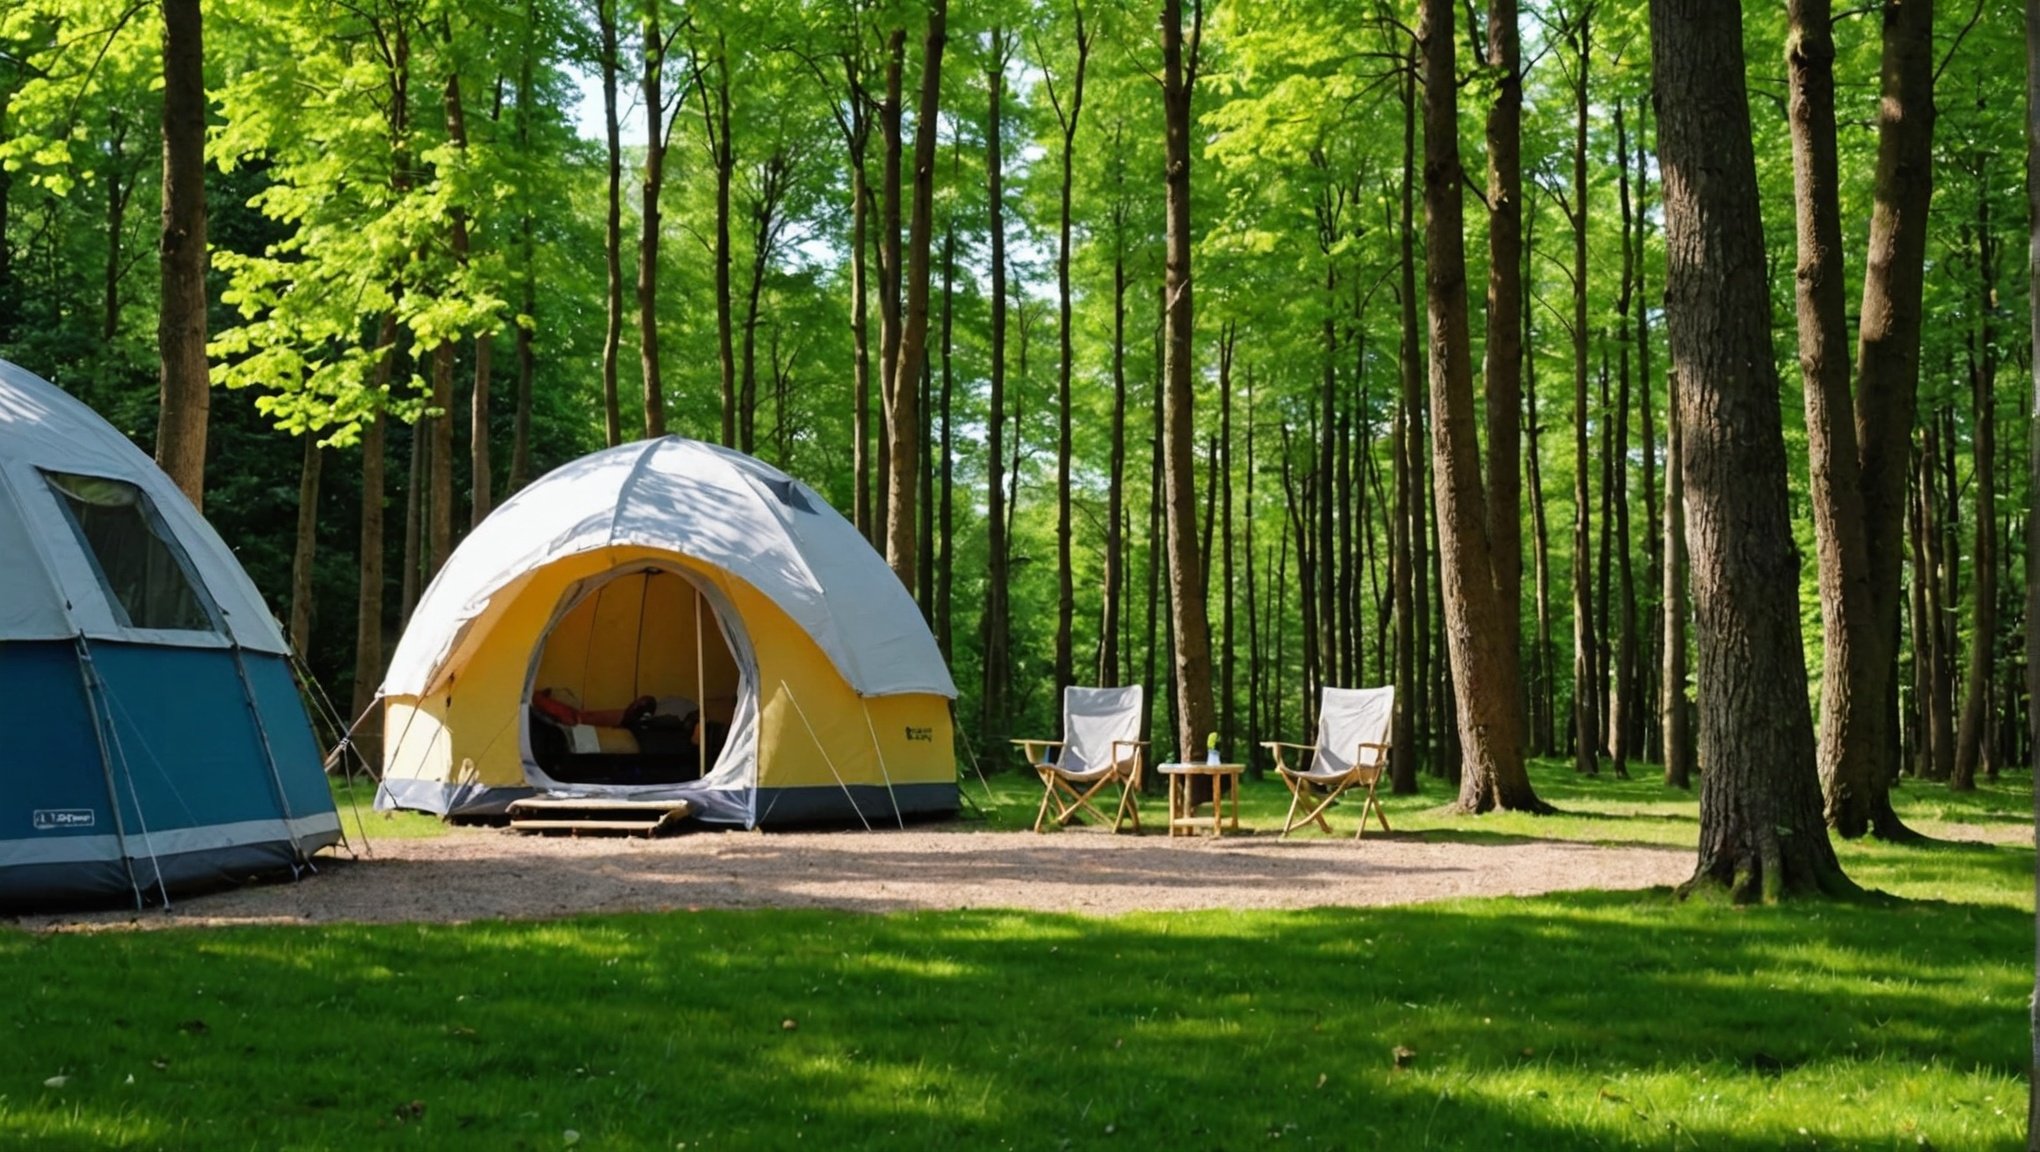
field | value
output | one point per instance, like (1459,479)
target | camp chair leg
(1289,821)
(1129,806)
(1047,793)
(1372,804)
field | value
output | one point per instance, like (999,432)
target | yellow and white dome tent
(669,620)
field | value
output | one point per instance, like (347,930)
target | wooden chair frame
(1298,779)
(1060,789)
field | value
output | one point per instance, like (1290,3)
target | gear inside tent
(669,620)
(159,741)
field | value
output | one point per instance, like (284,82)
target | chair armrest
(1139,756)
(1277,746)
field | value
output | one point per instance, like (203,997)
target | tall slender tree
(1068,105)
(1190,631)
(1503,393)
(184,395)
(656,43)
(612,335)
(902,419)
(1486,679)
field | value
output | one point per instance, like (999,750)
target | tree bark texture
(648,242)
(612,334)
(1586,650)
(1970,743)
(1851,734)
(306,550)
(1190,630)
(1486,680)
(1066,591)
(184,395)
(1761,828)
(2033,526)
(996,659)
(1887,370)
(1504,365)
(902,420)
(1402,757)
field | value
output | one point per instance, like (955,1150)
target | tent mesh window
(142,575)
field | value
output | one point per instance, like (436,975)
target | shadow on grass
(1578,1021)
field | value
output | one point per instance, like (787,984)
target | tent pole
(269,757)
(128,769)
(879,751)
(95,701)
(847,795)
(700,688)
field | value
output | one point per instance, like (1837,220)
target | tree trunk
(1486,681)
(520,436)
(1970,744)
(1761,830)
(414,523)
(1887,376)
(1847,732)
(1672,703)
(648,242)
(722,156)
(368,616)
(856,126)
(306,549)
(902,421)
(1189,630)
(889,116)
(1115,508)
(120,185)
(612,334)
(994,621)
(1654,565)
(1402,757)
(184,395)
(2032,525)
(1586,645)
(1503,392)
(945,527)
(1065,589)
(1940,659)
(1225,519)
(481,481)
(773,176)
(1543,662)
(1623,696)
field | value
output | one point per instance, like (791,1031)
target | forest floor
(484,873)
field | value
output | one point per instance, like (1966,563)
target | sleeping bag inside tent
(669,620)
(157,740)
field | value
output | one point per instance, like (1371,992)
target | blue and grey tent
(155,739)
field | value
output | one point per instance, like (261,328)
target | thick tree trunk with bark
(368,616)
(1189,630)
(184,396)
(1486,680)
(902,420)
(1761,829)
(1887,380)
(1504,365)
(1851,732)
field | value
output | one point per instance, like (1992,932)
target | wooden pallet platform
(592,815)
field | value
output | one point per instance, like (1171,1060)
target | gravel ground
(476,874)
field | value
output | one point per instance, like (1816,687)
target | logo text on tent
(924,735)
(56,819)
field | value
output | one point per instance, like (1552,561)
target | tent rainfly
(158,741)
(669,620)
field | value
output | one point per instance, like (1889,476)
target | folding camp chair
(1351,749)
(1101,746)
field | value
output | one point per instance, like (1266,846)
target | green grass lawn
(1591,1020)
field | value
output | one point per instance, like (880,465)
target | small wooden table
(1183,818)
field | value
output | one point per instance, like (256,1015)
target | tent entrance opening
(635,685)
